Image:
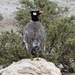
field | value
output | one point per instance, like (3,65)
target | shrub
(60,34)
(11,48)
(59,29)
(1,17)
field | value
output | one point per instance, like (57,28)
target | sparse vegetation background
(60,34)
(1,17)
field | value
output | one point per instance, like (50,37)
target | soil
(8,9)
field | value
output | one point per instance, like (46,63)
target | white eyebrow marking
(34,13)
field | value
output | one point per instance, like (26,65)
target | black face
(34,12)
(34,15)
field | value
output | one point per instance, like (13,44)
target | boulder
(31,67)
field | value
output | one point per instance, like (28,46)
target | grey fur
(34,30)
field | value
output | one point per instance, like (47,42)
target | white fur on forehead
(34,13)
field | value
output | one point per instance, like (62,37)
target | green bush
(73,66)
(1,17)
(59,30)
(11,48)
(60,34)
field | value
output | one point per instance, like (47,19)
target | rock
(28,67)
(61,67)
(1,67)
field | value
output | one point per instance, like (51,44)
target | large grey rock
(28,67)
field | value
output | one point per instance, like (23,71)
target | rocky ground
(7,9)
(67,3)
(28,67)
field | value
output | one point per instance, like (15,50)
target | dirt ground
(7,9)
